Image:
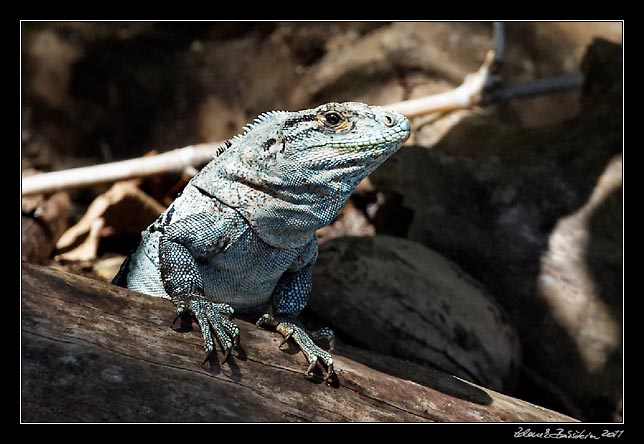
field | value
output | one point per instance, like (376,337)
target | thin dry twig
(479,88)
(175,161)
(499,42)
(545,85)
(468,94)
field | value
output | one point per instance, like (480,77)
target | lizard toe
(212,317)
(323,334)
(315,355)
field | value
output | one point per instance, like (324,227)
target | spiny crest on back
(262,118)
(223,148)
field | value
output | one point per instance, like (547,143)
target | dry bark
(95,352)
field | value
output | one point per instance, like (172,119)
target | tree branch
(546,85)
(467,95)
(499,42)
(175,161)
(479,88)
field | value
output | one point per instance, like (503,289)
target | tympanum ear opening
(275,144)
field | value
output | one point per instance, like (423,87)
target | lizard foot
(216,317)
(315,355)
(325,334)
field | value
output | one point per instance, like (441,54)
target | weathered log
(43,221)
(95,352)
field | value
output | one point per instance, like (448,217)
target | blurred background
(499,228)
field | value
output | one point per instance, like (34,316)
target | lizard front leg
(288,300)
(181,244)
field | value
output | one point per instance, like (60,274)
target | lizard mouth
(361,157)
(390,141)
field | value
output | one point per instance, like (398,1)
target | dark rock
(397,297)
(535,215)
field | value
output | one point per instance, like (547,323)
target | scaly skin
(241,236)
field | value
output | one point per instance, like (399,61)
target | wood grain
(93,352)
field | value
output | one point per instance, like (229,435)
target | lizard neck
(283,209)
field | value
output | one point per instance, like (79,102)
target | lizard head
(336,142)
(290,173)
(340,141)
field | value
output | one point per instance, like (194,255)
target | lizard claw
(175,319)
(226,355)
(313,353)
(325,333)
(331,377)
(185,324)
(312,365)
(207,357)
(286,338)
(213,317)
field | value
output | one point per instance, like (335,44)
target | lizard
(240,237)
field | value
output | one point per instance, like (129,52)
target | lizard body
(241,236)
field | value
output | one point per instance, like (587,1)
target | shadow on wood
(94,352)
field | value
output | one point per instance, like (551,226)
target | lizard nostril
(388,119)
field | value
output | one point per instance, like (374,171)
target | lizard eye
(388,120)
(333,119)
